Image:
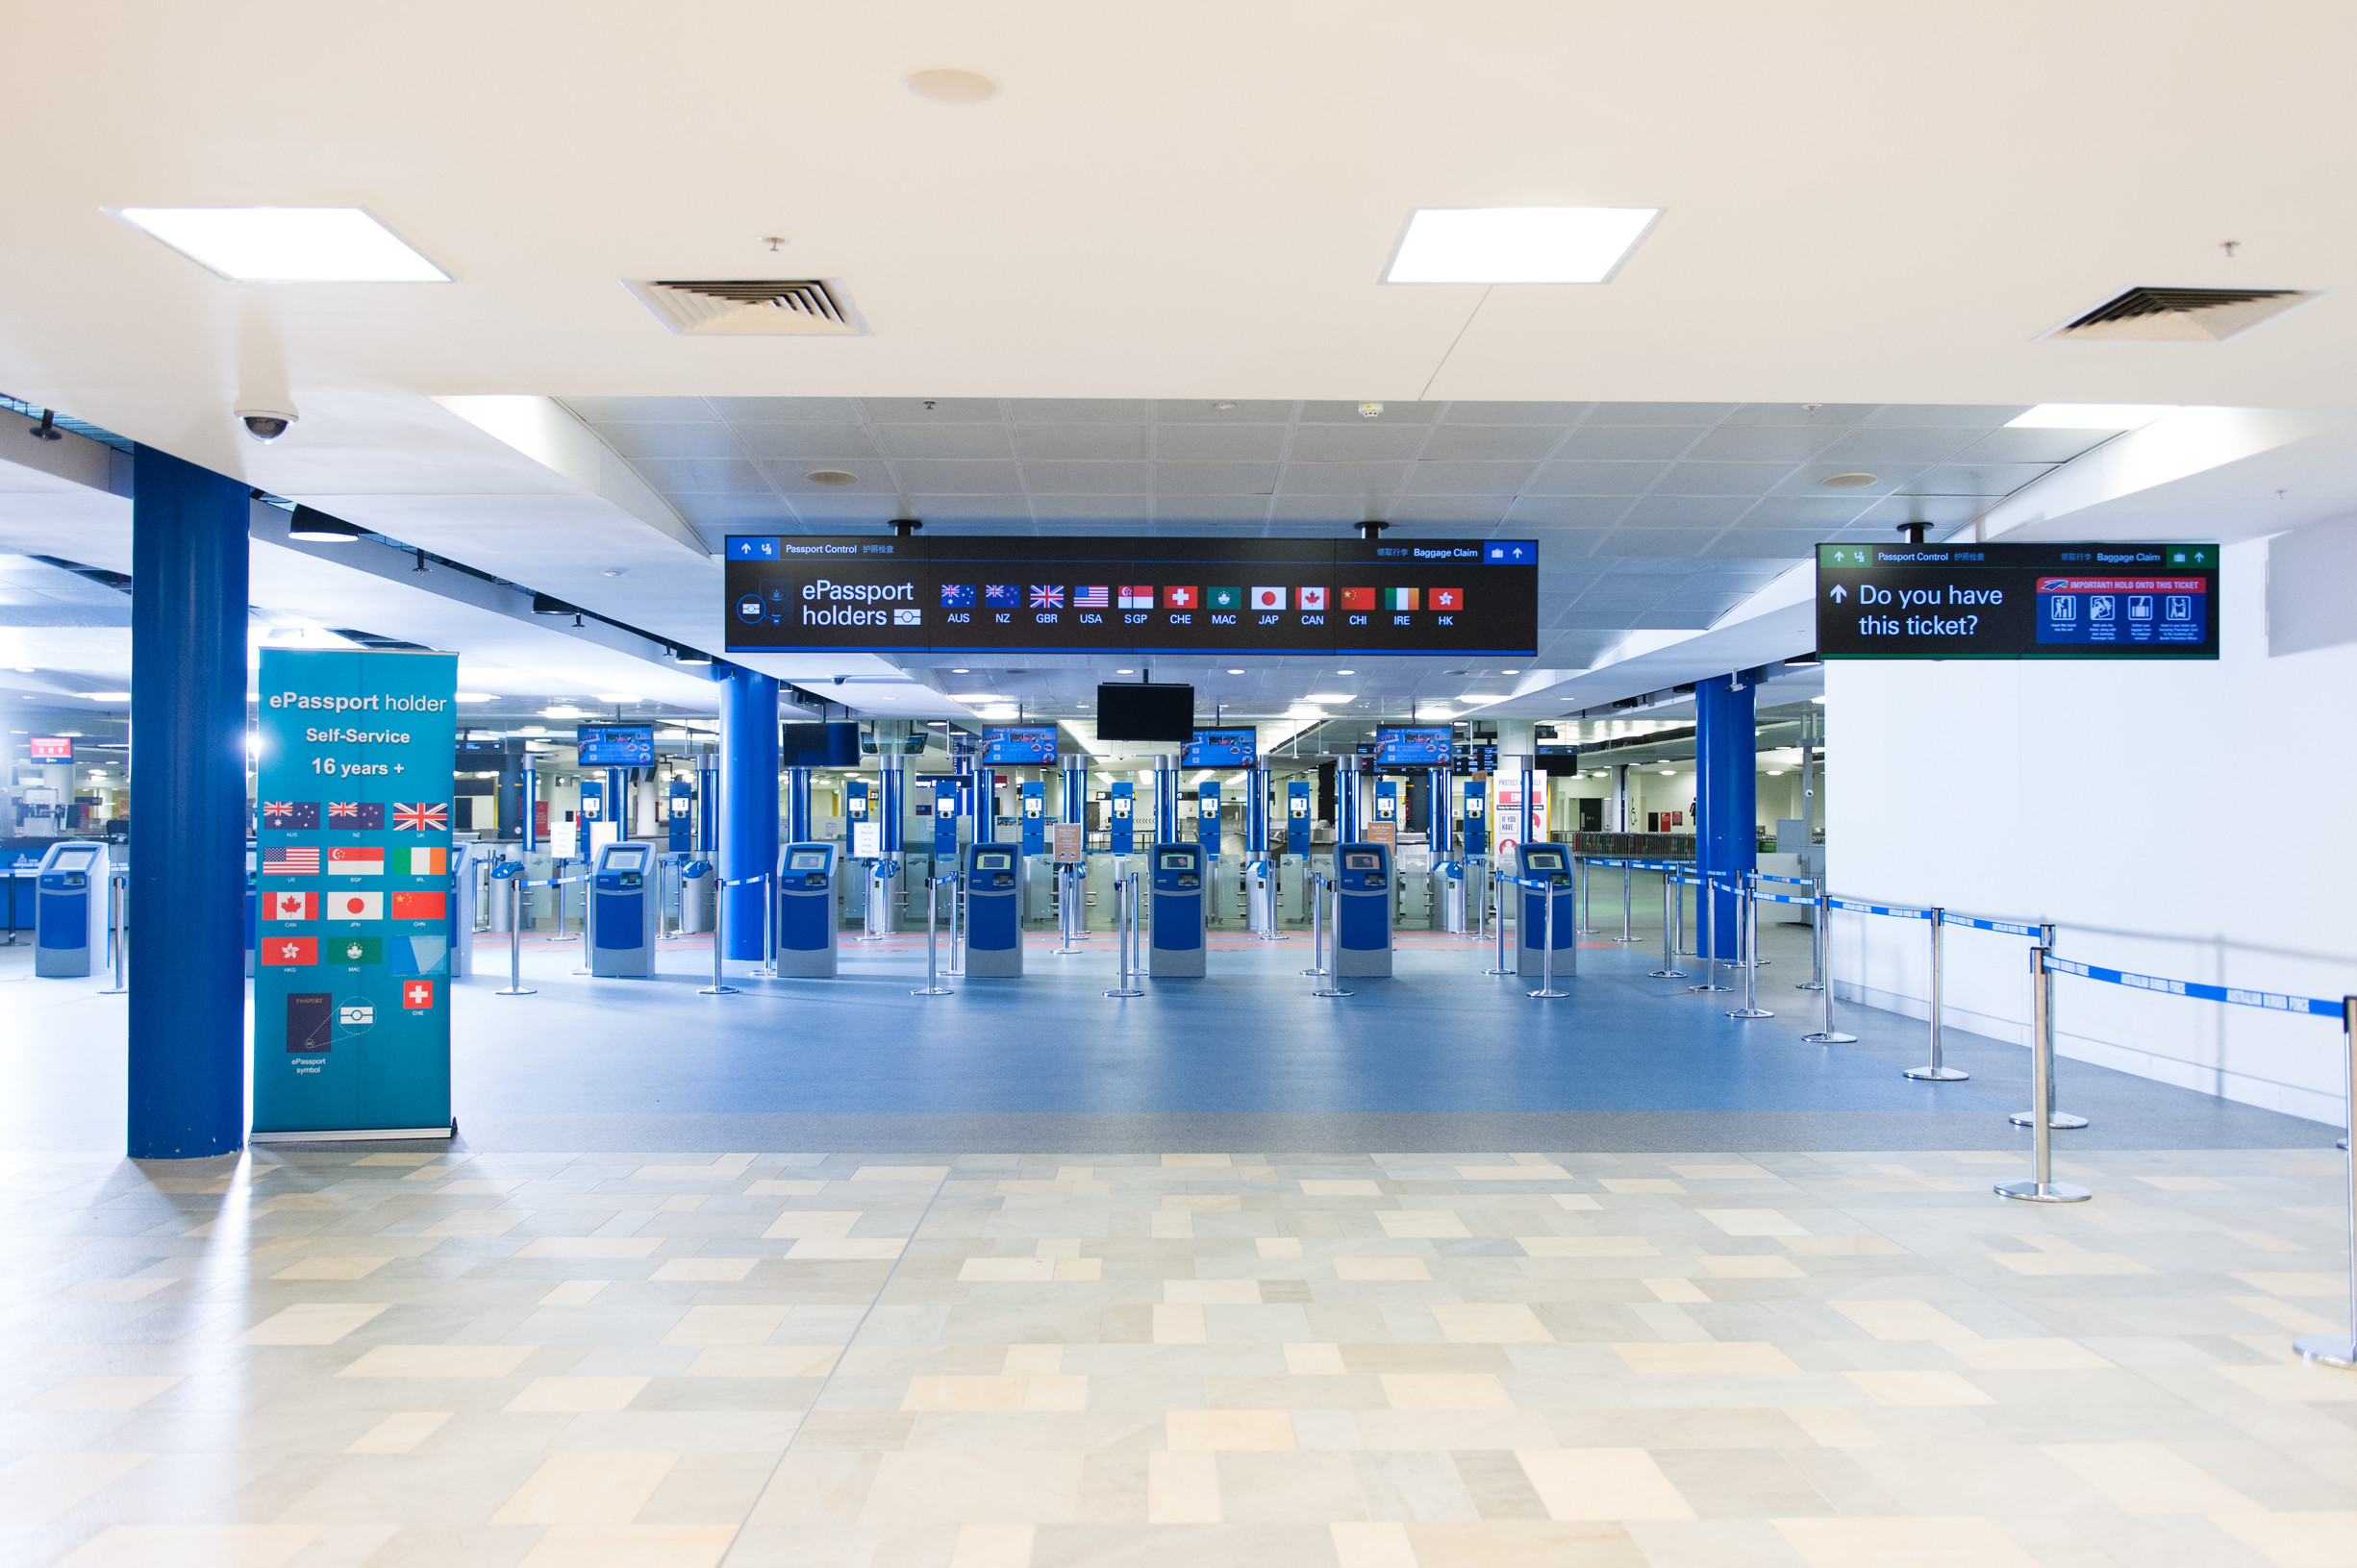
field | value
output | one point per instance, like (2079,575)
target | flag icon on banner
(356,906)
(1268,598)
(1137,596)
(1312,598)
(1445,598)
(355,813)
(1002,596)
(1100,597)
(290,906)
(957,596)
(355,1015)
(423,817)
(1179,599)
(1400,598)
(418,993)
(290,950)
(291,813)
(351,860)
(429,862)
(1223,598)
(1047,596)
(353,950)
(419,907)
(1357,598)
(290,862)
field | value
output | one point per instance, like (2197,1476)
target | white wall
(2091,794)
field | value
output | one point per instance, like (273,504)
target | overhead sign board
(2016,601)
(1019,745)
(1237,748)
(1414,746)
(51,748)
(616,745)
(1027,595)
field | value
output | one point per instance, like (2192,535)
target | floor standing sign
(352,961)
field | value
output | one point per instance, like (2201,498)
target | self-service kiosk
(1550,864)
(994,912)
(1362,913)
(622,912)
(1179,889)
(69,912)
(1121,817)
(805,924)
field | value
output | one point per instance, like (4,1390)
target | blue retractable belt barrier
(2005,927)
(1781,898)
(1879,909)
(554,882)
(2270,1001)
(1797,881)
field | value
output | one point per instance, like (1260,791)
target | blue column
(1727,763)
(748,799)
(187,883)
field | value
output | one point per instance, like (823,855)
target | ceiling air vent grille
(800,307)
(2180,316)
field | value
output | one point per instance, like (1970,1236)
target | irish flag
(1400,598)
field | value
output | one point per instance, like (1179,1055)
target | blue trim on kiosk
(994,912)
(69,912)
(1363,918)
(807,930)
(1549,864)
(1121,817)
(622,911)
(1178,894)
(1297,808)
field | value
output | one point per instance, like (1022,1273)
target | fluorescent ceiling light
(1327,697)
(620,697)
(2090,416)
(286,244)
(107,696)
(1517,244)
(472,696)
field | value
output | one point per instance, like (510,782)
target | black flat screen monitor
(1412,746)
(616,745)
(1140,713)
(1028,745)
(1221,749)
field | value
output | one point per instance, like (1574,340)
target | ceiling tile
(616,411)
(1062,411)
(1494,443)
(1473,510)
(1982,479)
(782,410)
(1010,509)
(1686,510)
(1985,415)
(1747,543)
(1733,479)
(872,476)
(1660,413)
(1946,510)
(1084,440)
(1099,508)
(1891,445)
(1363,442)
(1089,478)
(848,508)
(694,474)
(945,440)
(2033,445)
(1829,416)
(1567,511)
(1359,478)
(1804,511)
(1809,479)
(941,410)
(1594,478)
(1347,413)
(1220,443)
(734,513)
(1499,479)
(670,441)
(1174,410)
(1329,510)
(825,442)
(1672,542)
(1626,441)
(1514,413)
(925,478)
(1787,444)
(1210,509)
(1215,477)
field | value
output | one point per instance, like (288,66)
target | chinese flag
(419,907)
(1357,598)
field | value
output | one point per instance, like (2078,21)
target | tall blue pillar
(1726,806)
(748,799)
(187,881)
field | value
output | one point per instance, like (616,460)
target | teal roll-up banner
(352,945)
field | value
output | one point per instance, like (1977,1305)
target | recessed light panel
(1517,244)
(286,244)
(2090,416)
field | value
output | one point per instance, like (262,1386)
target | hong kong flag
(418,993)
(290,950)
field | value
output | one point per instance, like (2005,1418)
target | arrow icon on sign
(1839,593)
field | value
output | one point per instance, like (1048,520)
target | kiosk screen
(1362,862)
(1178,860)
(807,859)
(75,859)
(994,862)
(1542,860)
(631,858)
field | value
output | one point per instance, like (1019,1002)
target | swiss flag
(289,950)
(290,906)
(418,993)
(1445,598)
(419,907)
(1178,599)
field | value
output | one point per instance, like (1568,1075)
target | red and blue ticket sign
(2098,610)
(1965,599)
(354,897)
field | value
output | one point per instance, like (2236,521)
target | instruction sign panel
(354,903)
(1068,843)
(2016,601)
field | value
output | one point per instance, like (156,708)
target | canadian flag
(1312,598)
(291,907)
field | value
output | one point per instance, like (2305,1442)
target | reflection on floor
(331,1359)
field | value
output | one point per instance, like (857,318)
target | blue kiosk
(1177,949)
(623,908)
(806,923)
(69,912)
(994,912)
(1549,864)
(1363,910)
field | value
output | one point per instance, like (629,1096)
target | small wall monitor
(994,861)
(616,745)
(1362,860)
(1146,713)
(1221,749)
(1177,859)
(50,748)
(1027,745)
(626,857)
(1414,746)
(1542,860)
(74,859)
(807,859)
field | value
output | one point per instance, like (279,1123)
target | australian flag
(1002,596)
(957,596)
(350,813)
(291,813)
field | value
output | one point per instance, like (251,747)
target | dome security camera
(265,425)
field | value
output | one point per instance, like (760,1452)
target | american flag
(420,818)
(1047,596)
(1093,598)
(291,861)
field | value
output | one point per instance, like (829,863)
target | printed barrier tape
(1783,898)
(2270,1001)
(2004,928)
(1879,909)
(556,881)
(1797,881)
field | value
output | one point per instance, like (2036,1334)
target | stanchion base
(1547,996)
(1331,991)
(1132,992)
(719,990)
(2061,1121)
(114,990)
(1749,1012)
(1938,1075)
(2327,1349)
(1832,1037)
(1710,985)
(1669,974)
(1501,971)
(1810,985)
(509,990)
(932,990)
(2051,1192)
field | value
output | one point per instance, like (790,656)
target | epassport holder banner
(352,933)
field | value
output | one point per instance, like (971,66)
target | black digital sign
(2016,601)
(801,593)
(616,745)
(1025,745)
(1412,746)
(1221,749)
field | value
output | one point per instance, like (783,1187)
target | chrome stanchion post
(1935,1071)
(2061,1121)
(1587,926)
(2043,1189)
(768,969)
(957,922)
(1669,969)
(933,985)
(719,985)
(514,870)
(1706,902)
(1066,909)
(1816,944)
(1546,991)
(1628,899)
(2340,1349)
(1318,928)
(1747,945)
(118,900)
(1334,937)
(1497,893)
(1125,932)
(1827,1036)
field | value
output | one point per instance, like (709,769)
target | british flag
(420,818)
(1047,596)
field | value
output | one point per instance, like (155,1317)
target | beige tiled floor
(1491,1358)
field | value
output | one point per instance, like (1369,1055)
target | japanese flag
(1268,598)
(356,906)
